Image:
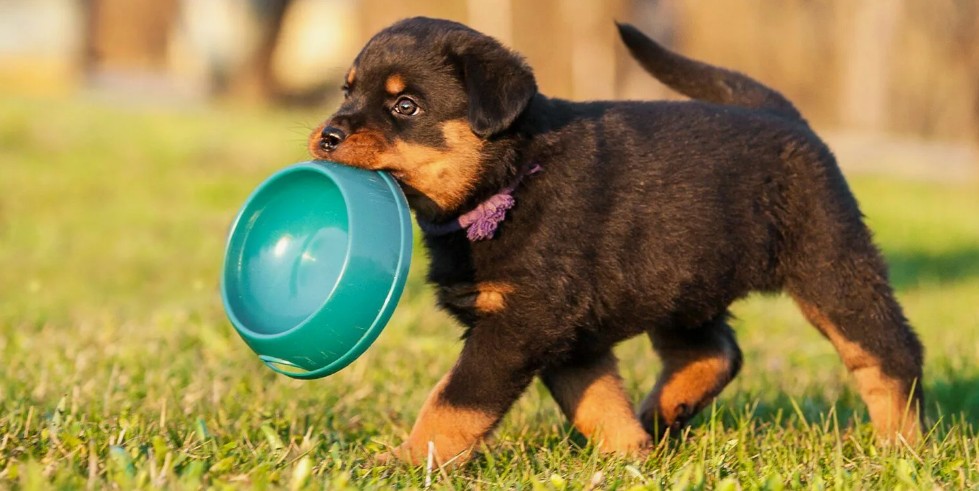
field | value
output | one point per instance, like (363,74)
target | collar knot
(481,222)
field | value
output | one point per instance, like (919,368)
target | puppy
(557,229)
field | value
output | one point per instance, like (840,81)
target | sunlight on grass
(121,370)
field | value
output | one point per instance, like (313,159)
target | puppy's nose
(331,138)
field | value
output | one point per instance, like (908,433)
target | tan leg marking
(691,378)
(454,431)
(394,84)
(886,397)
(593,399)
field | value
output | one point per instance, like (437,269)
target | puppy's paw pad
(394,456)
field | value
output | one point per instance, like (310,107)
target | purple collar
(480,223)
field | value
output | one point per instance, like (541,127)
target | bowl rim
(325,169)
(390,303)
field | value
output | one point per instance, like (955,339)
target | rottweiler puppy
(557,229)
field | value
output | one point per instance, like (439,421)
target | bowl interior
(287,252)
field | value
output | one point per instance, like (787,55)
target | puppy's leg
(591,395)
(839,279)
(495,367)
(852,305)
(453,430)
(697,364)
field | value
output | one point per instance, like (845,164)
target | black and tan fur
(649,217)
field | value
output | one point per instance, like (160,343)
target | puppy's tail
(699,80)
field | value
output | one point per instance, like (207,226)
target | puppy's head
(424,100)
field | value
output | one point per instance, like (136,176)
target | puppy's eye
(406,107)
(346,90)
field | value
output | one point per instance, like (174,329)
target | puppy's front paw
(420,454)
(395,455)
(633,446)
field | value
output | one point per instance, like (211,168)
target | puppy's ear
(498,82)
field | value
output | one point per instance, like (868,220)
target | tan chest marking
(488,297)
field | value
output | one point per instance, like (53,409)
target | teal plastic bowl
(315,264)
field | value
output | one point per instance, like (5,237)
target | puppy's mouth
(435,180)
(363,149)
(398,175)
(404,182)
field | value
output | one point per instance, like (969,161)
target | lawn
(119,368)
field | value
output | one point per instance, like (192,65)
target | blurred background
(874,69)
(878,67)
(132,130)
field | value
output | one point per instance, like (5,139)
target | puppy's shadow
(781,410)
(947,402)
(953,400)
(910,268)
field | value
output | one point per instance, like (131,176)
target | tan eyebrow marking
(394,84)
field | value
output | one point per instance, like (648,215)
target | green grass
(119,368)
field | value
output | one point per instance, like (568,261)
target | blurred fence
(877,65)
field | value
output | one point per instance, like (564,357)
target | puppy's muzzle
(331,138)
